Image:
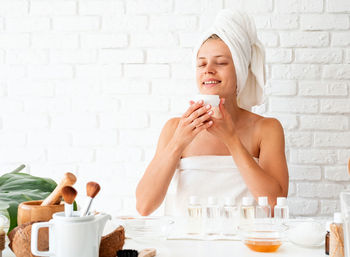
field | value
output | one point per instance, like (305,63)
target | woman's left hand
(224,126)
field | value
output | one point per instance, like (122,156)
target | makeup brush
(149,252)
(68,180)
(92,189)
(69,194)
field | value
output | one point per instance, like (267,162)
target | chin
(210,91)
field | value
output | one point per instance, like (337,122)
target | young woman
(236,154)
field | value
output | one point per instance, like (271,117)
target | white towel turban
(238,32)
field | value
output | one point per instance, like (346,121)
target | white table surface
(193,248)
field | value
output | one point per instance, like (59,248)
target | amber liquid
(263,246)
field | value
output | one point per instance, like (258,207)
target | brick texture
(86,86)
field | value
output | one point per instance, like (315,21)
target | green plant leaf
(16,187)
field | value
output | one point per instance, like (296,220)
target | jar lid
(213,100)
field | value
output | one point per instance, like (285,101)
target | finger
(199,112)
(205,125)
(191,102)
(199,121)
(192,108)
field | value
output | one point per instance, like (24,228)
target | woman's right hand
(193,121)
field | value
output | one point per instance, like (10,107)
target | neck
(233,109)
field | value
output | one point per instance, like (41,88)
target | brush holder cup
(32,211)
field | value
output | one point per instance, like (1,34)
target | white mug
(71,236)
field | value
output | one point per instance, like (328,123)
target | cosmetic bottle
(247,210)
(281,210)
(230,217)
(194,218)
(213,216)
(336,242)
(263,209)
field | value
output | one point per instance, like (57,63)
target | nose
(209,69)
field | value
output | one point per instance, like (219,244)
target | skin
(237,132)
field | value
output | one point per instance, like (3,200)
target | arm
(154,184)
(176,135)
(269,177)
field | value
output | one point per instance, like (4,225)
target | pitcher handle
(34,239)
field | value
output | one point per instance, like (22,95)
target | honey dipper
(68,180)
(69,194)
(92,189)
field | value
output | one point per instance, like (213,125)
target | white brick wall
(86,86)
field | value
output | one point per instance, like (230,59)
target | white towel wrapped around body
(204,176)
(238,32)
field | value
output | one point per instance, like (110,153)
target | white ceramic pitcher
(71,236)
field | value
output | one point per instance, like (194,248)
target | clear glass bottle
(213,216)
(263,209)
(281,210)
(247,210)
(194,219)
(230,217)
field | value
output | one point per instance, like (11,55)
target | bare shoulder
(270,129)
(171,124)
(262,124)
(267,123)
(167,132)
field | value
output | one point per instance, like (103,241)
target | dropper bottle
(263,210)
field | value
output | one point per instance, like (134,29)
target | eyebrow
(201,57)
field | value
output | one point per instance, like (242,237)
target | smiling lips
(211,82)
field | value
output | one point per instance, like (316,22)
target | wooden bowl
(32,211)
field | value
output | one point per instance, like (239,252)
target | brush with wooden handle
(149,252)
(92,189)
(68,180)
(69,194)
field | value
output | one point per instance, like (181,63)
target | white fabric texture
(204,176)
(238,32)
